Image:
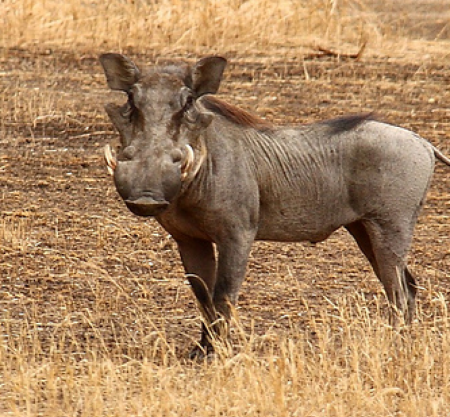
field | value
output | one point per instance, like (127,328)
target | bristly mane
(246,119)
(346,123)
(235,114)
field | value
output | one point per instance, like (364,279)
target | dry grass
(194,25)
(94,319)
(346,363)
(204,27)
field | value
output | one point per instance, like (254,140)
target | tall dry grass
(188,25)
(345,364)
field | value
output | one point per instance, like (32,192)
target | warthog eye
(186,99)
(129,109)
(188,104)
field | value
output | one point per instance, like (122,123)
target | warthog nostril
(146,206)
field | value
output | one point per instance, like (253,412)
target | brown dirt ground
(71,255)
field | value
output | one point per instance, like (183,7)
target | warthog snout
(146,206)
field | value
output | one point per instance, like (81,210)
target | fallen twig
(324,52)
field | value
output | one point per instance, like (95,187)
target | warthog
(216,176)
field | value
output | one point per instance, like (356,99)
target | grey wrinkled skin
(243,179)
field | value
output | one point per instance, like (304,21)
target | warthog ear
(121,73)
(206,75)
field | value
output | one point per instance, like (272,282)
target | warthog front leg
(215,291)
(199,262)
(231,269)
(212,327)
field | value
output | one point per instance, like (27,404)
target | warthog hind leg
(386,246)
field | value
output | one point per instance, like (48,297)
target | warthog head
(160,128)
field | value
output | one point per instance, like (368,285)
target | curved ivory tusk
(110,159)
(187,163)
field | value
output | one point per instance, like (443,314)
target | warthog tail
(439,155)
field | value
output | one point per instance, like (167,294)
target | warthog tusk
(187,163)
(110,159)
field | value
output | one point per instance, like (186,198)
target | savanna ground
(96,317)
